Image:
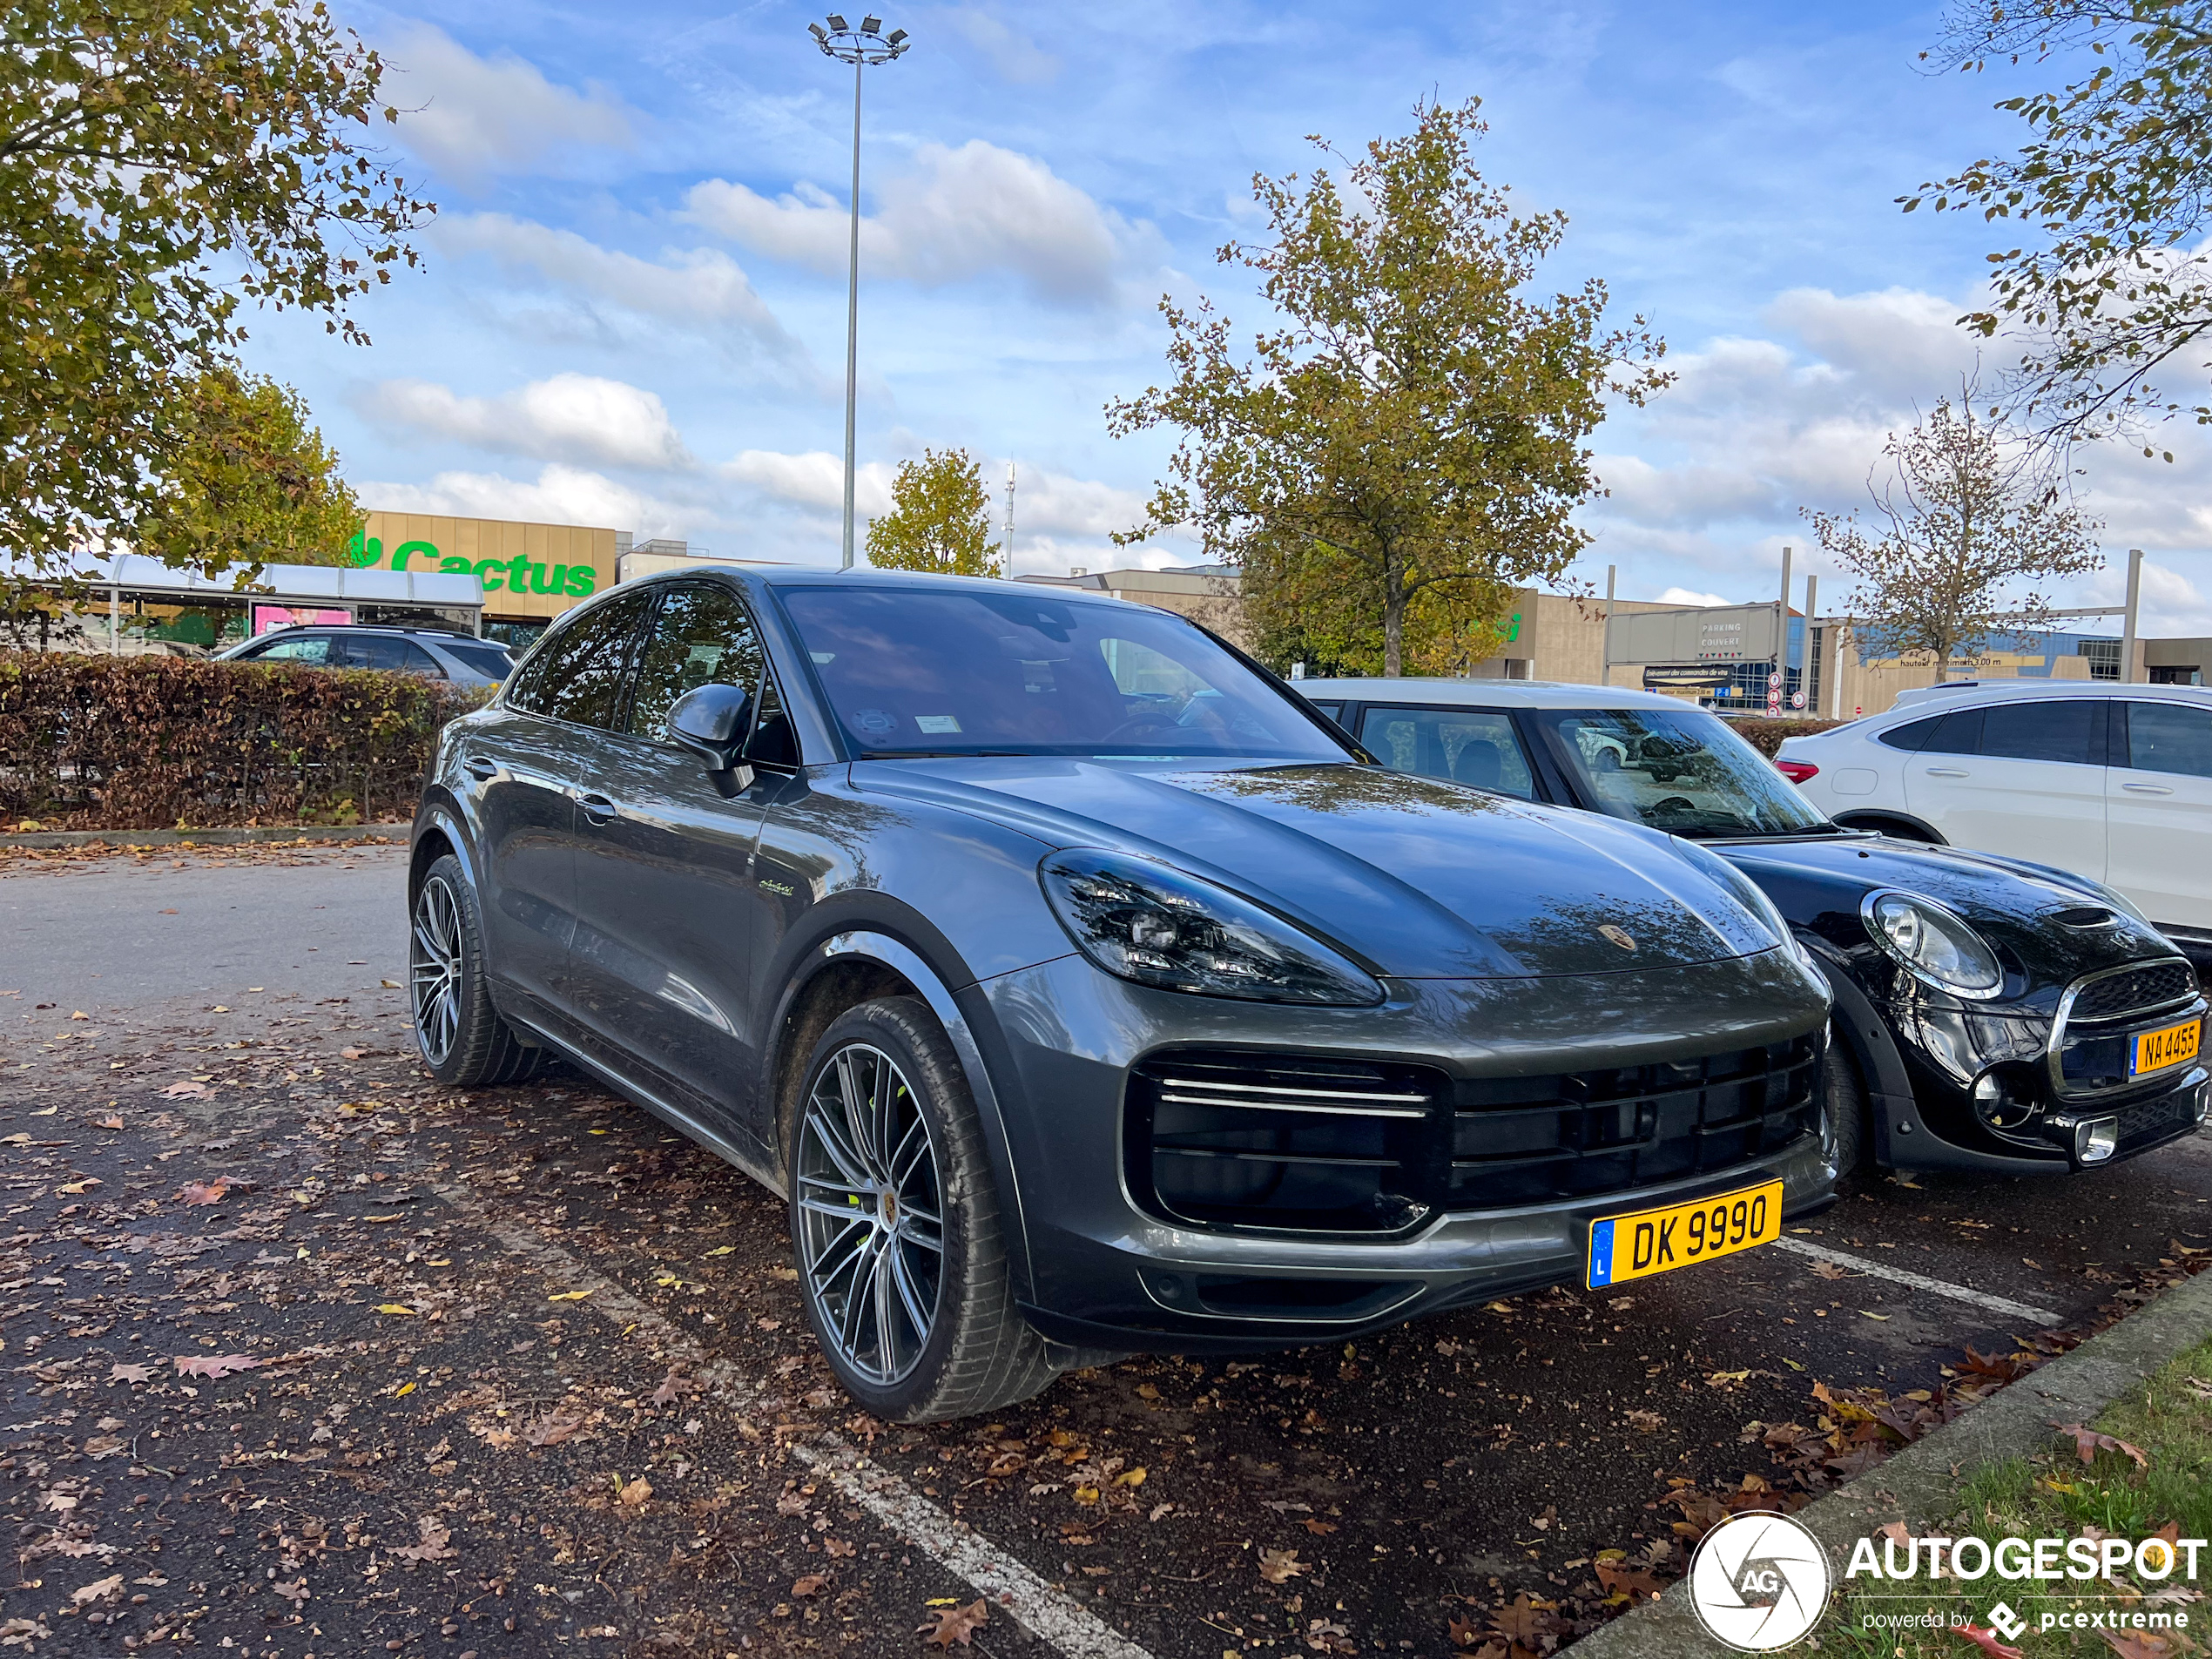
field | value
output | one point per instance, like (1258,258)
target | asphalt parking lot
(529,1371)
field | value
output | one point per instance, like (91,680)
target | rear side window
(1334,711)
(392,654)
(2169,737)
(305,648)
(1912,739)
(578,673)
(1468,746)
(2069,733)
(486,658)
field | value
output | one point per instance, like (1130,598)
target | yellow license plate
(1658,1241)
(2155,1050)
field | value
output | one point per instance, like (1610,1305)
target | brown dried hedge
(163,742)
(1767,736)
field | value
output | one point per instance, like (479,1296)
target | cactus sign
(533,571)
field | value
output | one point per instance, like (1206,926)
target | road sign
(1774,681)
(1796,699)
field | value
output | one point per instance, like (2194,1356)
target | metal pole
(1605,672)
(1807,657)
(852,322)
(2127,627)
(1781,625)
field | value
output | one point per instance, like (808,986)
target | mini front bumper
(2097,1119)
(1107,1271)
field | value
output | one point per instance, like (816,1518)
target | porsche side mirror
(711,722)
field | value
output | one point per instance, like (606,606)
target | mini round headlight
(1937,945)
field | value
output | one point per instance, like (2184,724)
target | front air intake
(1314,1145)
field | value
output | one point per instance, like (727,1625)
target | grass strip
(2053,1493)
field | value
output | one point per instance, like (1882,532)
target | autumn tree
(940,519)
(1963,512)
(162,165)
(2110,284)
(1408,437)
(248,479)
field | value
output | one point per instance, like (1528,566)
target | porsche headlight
(1936,945)
(1144,921)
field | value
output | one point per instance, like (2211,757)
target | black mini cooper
(1995,1016)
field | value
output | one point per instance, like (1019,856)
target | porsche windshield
(1686,773)
(911,671)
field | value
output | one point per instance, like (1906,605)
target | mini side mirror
(711,721)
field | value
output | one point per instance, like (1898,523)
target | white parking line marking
(1051,1615)
(1921,1282)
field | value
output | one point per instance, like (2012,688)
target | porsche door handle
(483,771)
(597,808)
(1948,772)
(2147,789)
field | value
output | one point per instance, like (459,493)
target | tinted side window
(1334,711)
(1468,746)
(390,653)
(1912,739)
(2168,737)
(1956,733)
(578,674)
(701,636)
(486,658)
(2071,732)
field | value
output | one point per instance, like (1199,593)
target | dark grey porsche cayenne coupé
(1082,991)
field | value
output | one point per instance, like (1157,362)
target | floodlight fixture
(862,48)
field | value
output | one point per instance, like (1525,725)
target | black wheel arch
(1883,819)
(1867,1035)
(859,946)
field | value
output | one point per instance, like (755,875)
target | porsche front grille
(1318,1145)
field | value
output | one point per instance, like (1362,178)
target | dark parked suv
(1083,990)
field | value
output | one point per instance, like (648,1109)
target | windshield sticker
(874,722)
(936,724)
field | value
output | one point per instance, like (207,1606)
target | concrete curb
(1920,1484)
(204,837)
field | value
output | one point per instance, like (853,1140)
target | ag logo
(1619,936)
(1759,1582)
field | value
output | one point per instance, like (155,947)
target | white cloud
(1690,597)
(1052,504)
(815,480)
(697,288)
(560,495)
(473,116)
(956,214)
(569,415)
(1014,56)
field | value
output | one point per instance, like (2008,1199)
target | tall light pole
(858,47)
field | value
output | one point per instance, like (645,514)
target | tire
(458,1032)
(918,1319)
(1843,1106)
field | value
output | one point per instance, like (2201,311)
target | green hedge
(162,742)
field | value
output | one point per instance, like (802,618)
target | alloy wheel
(434,962)
(871,1222)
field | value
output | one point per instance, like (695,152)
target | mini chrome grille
(2137,990)
(1325,1145)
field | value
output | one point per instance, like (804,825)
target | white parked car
(2106,780)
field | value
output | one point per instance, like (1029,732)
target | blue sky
(633,308)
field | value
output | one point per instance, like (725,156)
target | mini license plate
(1658,1241)
(2155,1050)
